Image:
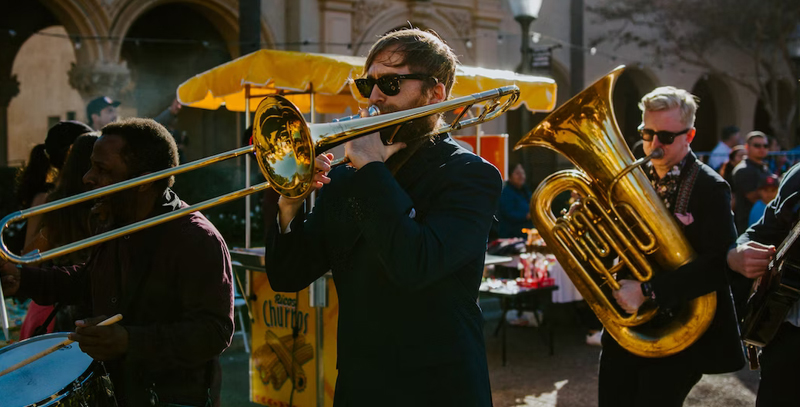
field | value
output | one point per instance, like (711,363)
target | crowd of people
(404,230)
(752,174)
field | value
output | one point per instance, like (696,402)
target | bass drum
(66,377)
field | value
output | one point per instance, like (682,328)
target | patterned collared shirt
(667,187)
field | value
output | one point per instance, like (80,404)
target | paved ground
(533,378)
(569,377)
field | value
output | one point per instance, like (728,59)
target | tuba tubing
(619,224)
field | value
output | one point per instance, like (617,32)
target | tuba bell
(618,226)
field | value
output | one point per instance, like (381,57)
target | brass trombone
(284,146)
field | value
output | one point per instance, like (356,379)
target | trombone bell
(283,147)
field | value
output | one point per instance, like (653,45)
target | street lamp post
(525,12)
(793,46)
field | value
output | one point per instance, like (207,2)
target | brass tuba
(619,216)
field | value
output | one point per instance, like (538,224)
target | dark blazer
(780,215)
(779,218)
(711,234)
(407,257)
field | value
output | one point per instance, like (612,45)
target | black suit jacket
(780,216)
(711,234)
(407,253)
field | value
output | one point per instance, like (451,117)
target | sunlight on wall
(41,67)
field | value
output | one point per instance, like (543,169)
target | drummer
(171,282)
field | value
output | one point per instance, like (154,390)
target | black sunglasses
(665,137)
(389,84)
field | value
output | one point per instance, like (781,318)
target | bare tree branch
(693,33)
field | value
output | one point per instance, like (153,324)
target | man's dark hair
(148,147)
(728,132)
(423,51)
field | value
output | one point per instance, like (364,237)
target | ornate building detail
(365,11)
(462,22)
(111,7)
(101,78)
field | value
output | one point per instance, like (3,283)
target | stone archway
(45,96)
(222,15)
(631,85)
(381,15)
(24,19)
(762,119)
(717,109)
(159,60)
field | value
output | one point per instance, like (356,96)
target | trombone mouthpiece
(657,153)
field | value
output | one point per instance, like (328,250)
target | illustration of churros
(274,360)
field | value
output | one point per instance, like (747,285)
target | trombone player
(404,231)
(700,201)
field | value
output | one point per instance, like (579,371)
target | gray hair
(670,97)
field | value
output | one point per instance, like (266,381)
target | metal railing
(778,161)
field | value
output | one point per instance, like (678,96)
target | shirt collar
(675,171)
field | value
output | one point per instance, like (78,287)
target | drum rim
(34,339)
(59,395)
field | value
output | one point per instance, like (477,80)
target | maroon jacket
(172,283)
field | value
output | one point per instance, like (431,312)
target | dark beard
(410,132)
(414,134)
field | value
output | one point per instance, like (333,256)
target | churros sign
(282,357)
(289,347)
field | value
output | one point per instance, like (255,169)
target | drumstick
(112,320)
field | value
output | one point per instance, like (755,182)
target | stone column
(337,21)
(487,23)
(101,78)
(303,26)
(9,87)
(249,26)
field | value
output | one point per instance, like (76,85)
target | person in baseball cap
(767,191)
(101,111)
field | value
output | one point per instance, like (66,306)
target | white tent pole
(478,132)
(247,275)
(247,169)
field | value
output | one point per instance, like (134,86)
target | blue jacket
(513,211)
